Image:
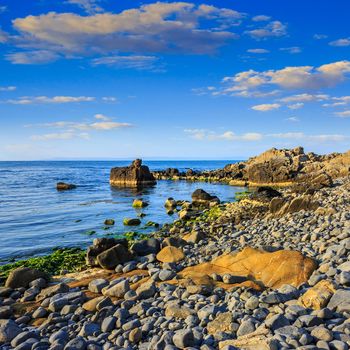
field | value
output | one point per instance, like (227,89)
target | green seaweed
(65,259)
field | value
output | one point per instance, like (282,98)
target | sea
(35,218)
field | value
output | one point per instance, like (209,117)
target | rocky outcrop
(280,167)
(134,175)
(201,197)
(267,269)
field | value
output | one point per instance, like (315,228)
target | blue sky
(106,79)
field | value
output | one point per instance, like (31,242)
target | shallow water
(35,217)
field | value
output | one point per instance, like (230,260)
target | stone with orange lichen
(170,255)
(263,268)
(318,296)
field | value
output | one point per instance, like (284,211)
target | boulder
(170,203)
(222,323)
(271,270)
(100,245)
(22,276)
(134,175)
(109,222)
(114,256)
(146,246)
(170,255)
(200,197)
(131,222)
(62,186)
(340,301)
(318,296)
(8,331)
(139,203)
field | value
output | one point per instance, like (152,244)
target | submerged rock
(62,186)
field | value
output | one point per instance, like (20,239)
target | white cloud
(8,88)
(109,99)
(266,107)
(134,62)
(203,134)
(341,42)
(174,27)
(344,114)
(272,29)
(261,18)
(102,117)
(60,136)
(291,50)
(259,51)
(26,100)
(304,98)
(320,36)
(293,119)
(312,138)
(90,6)
(296,105)
(300,77)
(32,57)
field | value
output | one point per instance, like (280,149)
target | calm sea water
(34,217)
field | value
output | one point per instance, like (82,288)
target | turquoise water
(34,217)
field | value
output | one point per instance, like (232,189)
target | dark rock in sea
(22,276)
(109,222)
(114,256)
(131,222)
(62,186)
(200,197)
(100,245)
(134,175)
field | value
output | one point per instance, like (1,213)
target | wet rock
(131,221)
(62,186)
(139,203)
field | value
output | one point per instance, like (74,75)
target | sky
(112,79)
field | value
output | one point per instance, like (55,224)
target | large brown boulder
(267,269)
(100,245)
(114,256)
(134,175)
(22,276)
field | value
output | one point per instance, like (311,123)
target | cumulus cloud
(272,29)
(134,62)
(291,50)
(174,27)
(259,51)
(299,77)
(203,134)
(26,100)
(266,107)
(341,42)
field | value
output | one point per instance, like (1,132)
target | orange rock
(170,254)
(318,296)
(266,269)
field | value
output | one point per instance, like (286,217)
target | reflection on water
(34,217)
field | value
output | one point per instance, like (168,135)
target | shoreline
(268,271)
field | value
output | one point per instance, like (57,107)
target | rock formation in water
(134,175)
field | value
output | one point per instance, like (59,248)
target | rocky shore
(270,271)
